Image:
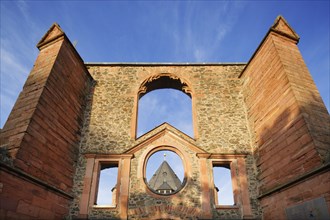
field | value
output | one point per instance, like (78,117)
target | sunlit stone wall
(219,120)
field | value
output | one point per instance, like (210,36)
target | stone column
(205,187)
(124,185)
(84,200)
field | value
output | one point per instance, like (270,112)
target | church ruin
(264,121)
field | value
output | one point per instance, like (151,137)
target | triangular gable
(281,26)
(53,33)
(171,133)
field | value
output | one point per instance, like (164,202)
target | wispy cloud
(150,111)
(198,33)
(17,52)
(12,69)
(165,105)
(13,75)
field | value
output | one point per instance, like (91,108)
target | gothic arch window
(169,82)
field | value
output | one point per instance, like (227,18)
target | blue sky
(165,105)
(162,31)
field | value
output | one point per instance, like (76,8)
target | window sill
(226,207)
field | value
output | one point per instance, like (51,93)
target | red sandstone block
(55,101)
(50,135)
(3,214)
(325,179)
(17,122)
(10,215)
(46,214)
(41,202)
(275,156)
(56,126)
(294,147)
(320,189)
(36,172)
(37,77)
(33,148)
(14,131)
(30,150)
(39,192)
(8,202)
(37,133)
(27,209)
(17,116)
(307,195)
(21,164)
(67,160)
(304,151)
(312,162)
(57,151)
(301,128)
(60,180)
(37,121)
(24,105)
(16,137)
(38,164)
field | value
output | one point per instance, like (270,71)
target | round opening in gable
(165,172)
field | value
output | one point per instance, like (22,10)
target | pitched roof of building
(165,179)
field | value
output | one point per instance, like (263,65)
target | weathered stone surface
(220,122)
(220,116)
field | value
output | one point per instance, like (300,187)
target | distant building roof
(165,179)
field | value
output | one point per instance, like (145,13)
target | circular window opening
(165,172)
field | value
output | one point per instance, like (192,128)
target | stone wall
(307,190)
(219,120)
(218,102)
(23,197)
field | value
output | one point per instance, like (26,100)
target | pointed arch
(164,80)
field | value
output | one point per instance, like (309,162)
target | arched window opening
(164,98)
(165,105)
(223,189)
(164,172)
(107,189)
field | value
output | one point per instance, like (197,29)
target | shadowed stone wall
(290,125)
